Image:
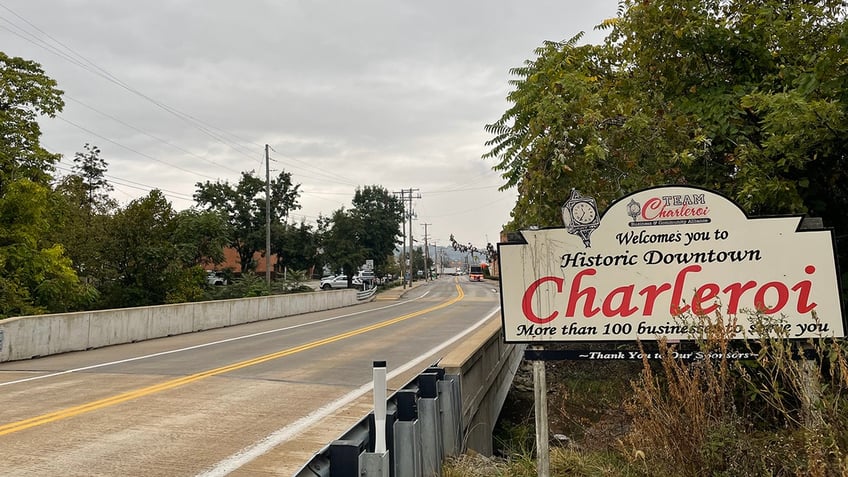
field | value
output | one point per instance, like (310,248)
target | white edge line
(213,343)
(281,435)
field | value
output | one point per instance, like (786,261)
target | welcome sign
(659,258)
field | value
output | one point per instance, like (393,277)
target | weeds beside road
(774,415)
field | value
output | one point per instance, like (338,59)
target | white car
(338,282)
(215,278)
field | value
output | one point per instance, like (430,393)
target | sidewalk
(396,293)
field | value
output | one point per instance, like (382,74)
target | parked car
(367,276)
(215,278)
(339,281)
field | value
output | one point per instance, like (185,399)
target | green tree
(138,254)
(342,243)
(25,94)
(35,273)
(381,214)
(200,236)
(419,264)
(91,168)
(296,246)
(153,254)
(244,207)
(35,276)
(82,209)
(80,226)
(747,98)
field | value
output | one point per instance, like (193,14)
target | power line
(327,175)
(88,65)
(164,141)
(133,150)
(134,185)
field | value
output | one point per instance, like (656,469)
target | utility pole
(403,234)
(426,255)
(436,257)
(268,218)
(406,194)
(411,241)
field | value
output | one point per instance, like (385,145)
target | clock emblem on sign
(580,216)
(634,209)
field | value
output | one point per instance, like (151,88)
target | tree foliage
(381,215)
(138,253)
(91,169)
(153,255)
(296,246)
(200,236)
(25,93)
(244,206)
(35,274)
(343,245)
(746,98)
(82,211)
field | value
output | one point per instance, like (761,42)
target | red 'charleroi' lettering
(656,208)
(625,301)
(527,304)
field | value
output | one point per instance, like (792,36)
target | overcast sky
(393,93)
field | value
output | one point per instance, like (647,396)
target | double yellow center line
(130,395)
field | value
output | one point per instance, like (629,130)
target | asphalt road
(251,400)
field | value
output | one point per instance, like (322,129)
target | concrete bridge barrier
(27,337)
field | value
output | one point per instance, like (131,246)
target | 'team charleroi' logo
(677,209)
(684,252)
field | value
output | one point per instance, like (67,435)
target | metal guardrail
(423,425)
(363,295)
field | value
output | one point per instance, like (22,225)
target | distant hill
(455,258)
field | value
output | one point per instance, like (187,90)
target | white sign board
(657,259)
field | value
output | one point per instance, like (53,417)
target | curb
(397,292)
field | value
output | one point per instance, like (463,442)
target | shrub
(778,414)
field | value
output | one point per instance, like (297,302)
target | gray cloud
(387,92)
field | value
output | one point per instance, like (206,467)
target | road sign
(657,260)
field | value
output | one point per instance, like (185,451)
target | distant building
(231,262)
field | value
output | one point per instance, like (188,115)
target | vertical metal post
(344,458)
(380,407)
(450,399)
(540,391)
(407,434)
(429,415)
(810,385)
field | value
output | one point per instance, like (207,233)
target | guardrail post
(450,412)
(451,416)
(431,429)
(450,404)
(407,435)
(344,458)
(376,463)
